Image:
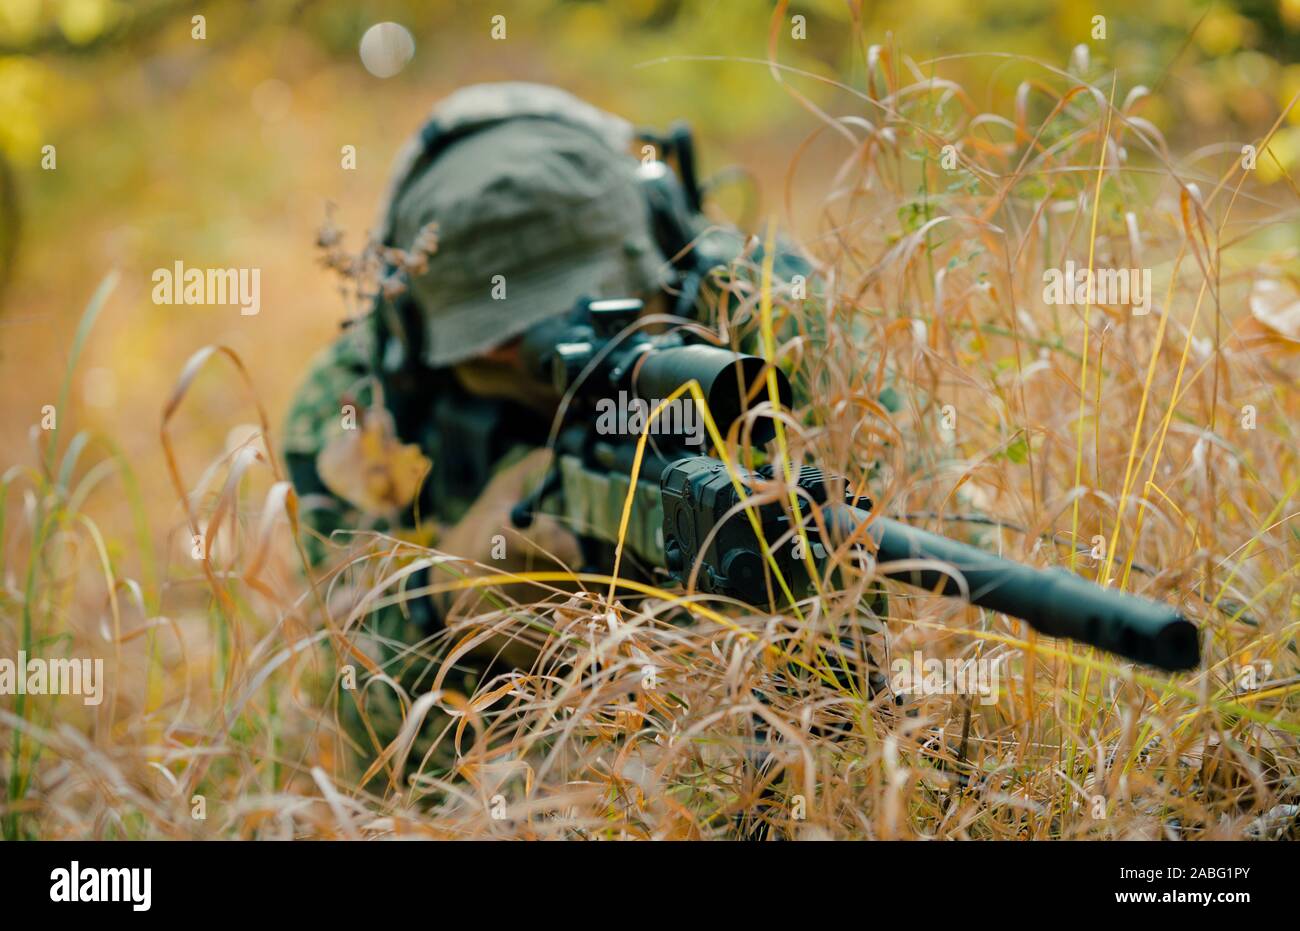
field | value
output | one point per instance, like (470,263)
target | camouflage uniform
(339,375)
(535,203)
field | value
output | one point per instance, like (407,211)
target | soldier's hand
(486,536)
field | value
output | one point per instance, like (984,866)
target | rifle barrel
(1053,601)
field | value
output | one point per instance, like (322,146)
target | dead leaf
(370,467)
(1276,304)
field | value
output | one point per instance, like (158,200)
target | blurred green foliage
(225,149)
(1222,57)
(1220,71)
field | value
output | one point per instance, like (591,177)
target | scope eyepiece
(731,383)
(648,367)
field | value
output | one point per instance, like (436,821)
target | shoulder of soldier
(341,370)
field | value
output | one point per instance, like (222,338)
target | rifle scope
(594,351)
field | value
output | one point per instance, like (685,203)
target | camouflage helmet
(536,204)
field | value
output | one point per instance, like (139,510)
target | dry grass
(1072,422)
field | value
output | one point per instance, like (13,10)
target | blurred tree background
(224,150)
